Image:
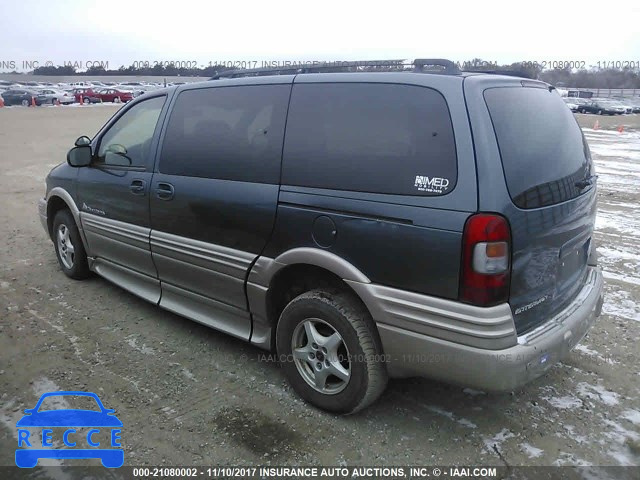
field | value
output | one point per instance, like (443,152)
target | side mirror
(79,156)
(82,141)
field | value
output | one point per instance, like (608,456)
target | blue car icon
(69,418)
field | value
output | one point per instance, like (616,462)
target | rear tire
(330,351)
(69,247)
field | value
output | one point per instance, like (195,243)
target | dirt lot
(189,395)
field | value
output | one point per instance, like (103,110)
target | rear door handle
(164,191)
(137,187)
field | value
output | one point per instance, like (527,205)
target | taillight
(486,260)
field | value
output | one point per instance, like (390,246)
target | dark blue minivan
(363,224)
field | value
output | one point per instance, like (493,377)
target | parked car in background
(114,95)
(624,103)
(635,105)
(51,96)
(136,91)
(580,102)
(18,97)
(603,107)
(85,95)
(571,103)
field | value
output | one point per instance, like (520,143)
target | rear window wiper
(585,182)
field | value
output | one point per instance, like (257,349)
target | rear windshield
(543,150)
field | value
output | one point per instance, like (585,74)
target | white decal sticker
(431,184)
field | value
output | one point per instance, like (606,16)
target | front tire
(69,247)
(330,351)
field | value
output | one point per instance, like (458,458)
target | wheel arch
(54,205)
(59,199)
(273,283)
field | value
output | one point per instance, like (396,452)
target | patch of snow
(616,254)
(497,440)
(466,423)
(168,411)
(583,349)
(133,343)
(531,451)
(598,393)
(586,350)
(632,415)
(621,278)
(462,421)
(618,303)
(569,459)
(617,151)
(574,435)
(564,403)
(617,221)
(618,449)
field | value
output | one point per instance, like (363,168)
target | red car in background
(85,95)
(114,95)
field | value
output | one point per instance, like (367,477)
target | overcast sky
(121,32)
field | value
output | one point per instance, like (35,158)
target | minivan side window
(380,138)
(229,133)
(128,140)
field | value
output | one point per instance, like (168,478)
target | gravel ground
(188,395)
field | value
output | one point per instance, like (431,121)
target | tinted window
(232,133)
(382,138)
(542,147)
(128,140)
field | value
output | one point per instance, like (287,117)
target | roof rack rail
(418,65)
(449,67)
(510,73)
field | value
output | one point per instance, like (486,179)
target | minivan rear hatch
(549,200)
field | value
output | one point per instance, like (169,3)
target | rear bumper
(411,353)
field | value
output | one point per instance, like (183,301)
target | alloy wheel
(321,356)
(66,250)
